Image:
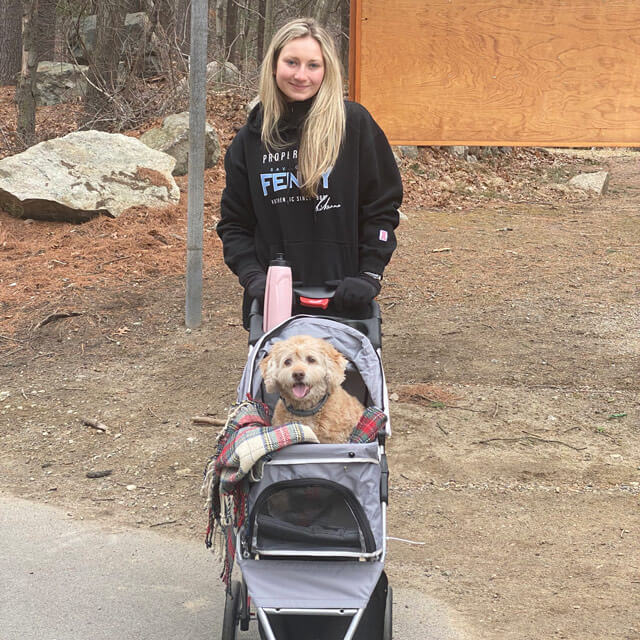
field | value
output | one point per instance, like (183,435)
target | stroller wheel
(231,613)
(387,632)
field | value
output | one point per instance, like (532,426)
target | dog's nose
(298,375)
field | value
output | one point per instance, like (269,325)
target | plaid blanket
(241,445)
(371,421)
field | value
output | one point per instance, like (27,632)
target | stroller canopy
(354,345)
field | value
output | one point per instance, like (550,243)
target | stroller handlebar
(317,301)
(315,293)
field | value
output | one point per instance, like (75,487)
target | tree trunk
(183,25)
(46,36)
(322,10)
(233,35)
(103,70)
(25,98)
(221,28)
(269,15)
(345,27)
(260,30)
(166,12)
(11,41)
(172,28)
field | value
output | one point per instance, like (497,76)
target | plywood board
(490,72)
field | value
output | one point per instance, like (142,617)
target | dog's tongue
(300,390)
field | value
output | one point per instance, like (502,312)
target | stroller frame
(356,613)
(350,565)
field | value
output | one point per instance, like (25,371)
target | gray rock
(83,40)
(484,151)
(60,82)
(458,150)
(136,25)
(410,152)
(252,103)
(173,138)
(84,174)
(220,77)
(597,182)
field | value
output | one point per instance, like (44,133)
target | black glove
(355,292)
(254,283)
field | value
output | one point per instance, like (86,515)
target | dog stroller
(311,550)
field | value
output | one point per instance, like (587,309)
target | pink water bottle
(278,295)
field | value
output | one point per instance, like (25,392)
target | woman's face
(300,69)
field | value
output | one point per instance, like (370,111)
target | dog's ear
(336,365)
(268,370)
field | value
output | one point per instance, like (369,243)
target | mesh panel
(309,515)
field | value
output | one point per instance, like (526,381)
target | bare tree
(343,40)
(25,93)
(269,15)
(322,10)
(11,41)
(103,72)
(233,36)
(46,33)
(183,24)
(221,26)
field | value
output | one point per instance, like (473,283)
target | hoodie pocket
(314,263)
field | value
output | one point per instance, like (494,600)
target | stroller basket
(318,500)
(309,515)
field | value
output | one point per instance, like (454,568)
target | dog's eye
(311,360)
(287,362)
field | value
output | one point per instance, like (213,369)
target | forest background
(130,81)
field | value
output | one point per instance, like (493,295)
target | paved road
(64,579)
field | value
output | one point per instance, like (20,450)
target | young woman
(311,176)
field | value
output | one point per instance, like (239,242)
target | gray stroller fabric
(310,584)
(354,466)
(329,583)
(354,345)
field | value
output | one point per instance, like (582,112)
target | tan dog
(308,372)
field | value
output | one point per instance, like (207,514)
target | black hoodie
(348,229)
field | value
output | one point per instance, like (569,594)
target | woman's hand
(255,283)
(355,292)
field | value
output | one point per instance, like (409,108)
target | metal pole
(195,194)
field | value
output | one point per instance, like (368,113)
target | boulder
(252,104)
(173,138)
(84,174)
(220,77)
(459,150)
(60,82)
(83,40)
(598,181)
(408,151)
(483,152)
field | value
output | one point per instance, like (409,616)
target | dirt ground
(511,347)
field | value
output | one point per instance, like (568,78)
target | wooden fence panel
(499,72)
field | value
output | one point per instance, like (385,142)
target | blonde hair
(324,126)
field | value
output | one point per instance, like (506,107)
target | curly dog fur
(306,371)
